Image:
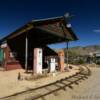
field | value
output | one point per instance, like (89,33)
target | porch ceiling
(42,37)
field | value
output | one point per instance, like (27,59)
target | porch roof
(55,26)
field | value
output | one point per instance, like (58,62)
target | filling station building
(27,47)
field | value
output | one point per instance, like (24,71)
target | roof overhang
(55,26)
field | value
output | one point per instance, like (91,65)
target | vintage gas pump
(61,60)
(52,64)
(37,68)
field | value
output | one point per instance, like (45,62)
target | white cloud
(96,30)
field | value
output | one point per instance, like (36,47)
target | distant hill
(79,54)
(85,50)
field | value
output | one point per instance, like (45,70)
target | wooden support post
(26,53)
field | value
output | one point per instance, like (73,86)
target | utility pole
(67,53)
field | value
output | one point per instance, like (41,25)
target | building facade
(27,47)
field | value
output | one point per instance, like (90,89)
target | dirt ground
(88,89)
(9,84)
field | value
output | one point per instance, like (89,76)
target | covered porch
(19,47)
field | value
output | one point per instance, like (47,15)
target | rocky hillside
(85,50)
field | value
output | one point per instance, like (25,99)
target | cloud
(96,30)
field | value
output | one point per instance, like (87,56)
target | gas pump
(52,64)
(37,68)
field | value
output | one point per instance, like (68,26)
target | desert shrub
(81,61)
(98,63)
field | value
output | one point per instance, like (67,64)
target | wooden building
(17,49)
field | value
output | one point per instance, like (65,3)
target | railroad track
(52,88)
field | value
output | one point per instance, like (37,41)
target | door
(1,56)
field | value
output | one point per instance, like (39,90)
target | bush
(98,63)
(80,61)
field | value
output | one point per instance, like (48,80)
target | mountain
(85,50)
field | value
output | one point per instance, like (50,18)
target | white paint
(38,61)
(52,65)
(4,45)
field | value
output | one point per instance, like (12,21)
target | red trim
(13,66)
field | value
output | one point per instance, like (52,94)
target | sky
(85,23)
